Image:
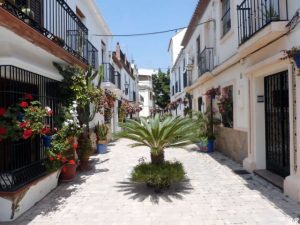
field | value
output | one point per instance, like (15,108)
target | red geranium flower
(2,111)
(28,96)
(24,104)
(27,133)
(72,162)
(58,157)
(51,158)
(3,130)
(45,130)
(75,145)
(23,124)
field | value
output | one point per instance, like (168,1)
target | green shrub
(158,176)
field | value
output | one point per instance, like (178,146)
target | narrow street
(214,194)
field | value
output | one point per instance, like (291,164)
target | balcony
(205,61)
(54,20)
(109,73)
(260,22)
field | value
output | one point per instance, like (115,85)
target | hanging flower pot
(297,59)
(47,141)
(68,172)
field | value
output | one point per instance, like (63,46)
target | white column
(292,182)
(249,162)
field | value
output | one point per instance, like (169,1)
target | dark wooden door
(277,123)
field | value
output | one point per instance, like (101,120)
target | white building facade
(31,40)
(237,45)
(177,73)
(146,94)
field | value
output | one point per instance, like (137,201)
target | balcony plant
(101,132)
(294,54)
(158,135)
(270,13)
(29,13)
(13,2)
(58,40)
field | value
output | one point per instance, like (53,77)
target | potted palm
(101,132)
(158,135)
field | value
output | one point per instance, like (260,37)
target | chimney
(118,51)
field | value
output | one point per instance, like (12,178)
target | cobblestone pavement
(213,195)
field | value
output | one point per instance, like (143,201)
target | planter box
(14,204)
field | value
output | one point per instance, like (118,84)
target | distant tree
(161,86)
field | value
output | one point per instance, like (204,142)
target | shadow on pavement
(56,199)
(141,192)
(258,184)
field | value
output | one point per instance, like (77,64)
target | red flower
(45,130)
(51,158)
(27,133)
(58,156)
(2,111)
(3,130)
(23,124)
(72,162)
(75,146)
(28,96)
(24,104)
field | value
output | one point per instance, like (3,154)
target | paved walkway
(214,195)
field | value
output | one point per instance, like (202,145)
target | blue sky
(139,16)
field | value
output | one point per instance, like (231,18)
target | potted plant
(101,133)
(68,171)
(271,14)
(294,53)
(13,2)
(58,40)
(157,136)
(84,152)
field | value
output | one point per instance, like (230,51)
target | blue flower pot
(210,145)
(101,148)
(297,59)
(47,141)
(20,117)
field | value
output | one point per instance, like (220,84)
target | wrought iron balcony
(55,20)
(205,61)
(254,15)
(109,73)
(23,161)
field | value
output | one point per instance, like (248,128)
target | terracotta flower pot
(68,172)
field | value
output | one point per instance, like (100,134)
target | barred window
(226,19)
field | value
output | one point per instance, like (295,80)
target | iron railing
(92,55)
(109,73)
(56,21)
(23,161)
(254,15)
(206,61)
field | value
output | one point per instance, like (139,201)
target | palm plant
(101,132)
(159,135)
